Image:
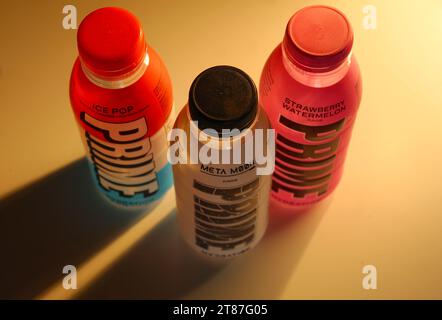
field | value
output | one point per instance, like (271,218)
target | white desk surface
(387,211)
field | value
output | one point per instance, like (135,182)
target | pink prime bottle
(311,89)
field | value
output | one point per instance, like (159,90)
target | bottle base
(132,208)
(219,259)
(279,207)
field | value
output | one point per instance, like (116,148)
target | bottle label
(305,170)
(128,166)
(313,120)
(227,208)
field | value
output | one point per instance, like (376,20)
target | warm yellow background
(387,210)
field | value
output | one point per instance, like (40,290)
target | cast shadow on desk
(58,220)
(161,266)
(62,220)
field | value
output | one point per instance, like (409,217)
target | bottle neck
(212,135)
(316,78)
(120,81)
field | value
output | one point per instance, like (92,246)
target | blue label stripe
(164,179)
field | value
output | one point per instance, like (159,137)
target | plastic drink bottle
(121,95)
(221,207)
(311,89)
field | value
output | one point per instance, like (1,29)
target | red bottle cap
(111,41)
(318,38)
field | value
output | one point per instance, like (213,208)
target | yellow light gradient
(387,210)
(102,260)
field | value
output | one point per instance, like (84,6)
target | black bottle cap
(223,97)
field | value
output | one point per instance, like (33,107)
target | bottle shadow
(62,220)
(265,272)
(162,266)
(59,220)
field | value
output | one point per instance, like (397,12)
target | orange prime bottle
(121,95)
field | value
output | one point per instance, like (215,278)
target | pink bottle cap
(318,38)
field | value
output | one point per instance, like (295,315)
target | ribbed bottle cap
(223,97)
(111,41)
(318,38)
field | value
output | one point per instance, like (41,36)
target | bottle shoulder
(150,96)
(276,81)
(281,93)
(275,68)
(155,71)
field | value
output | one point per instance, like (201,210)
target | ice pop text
(112,110)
